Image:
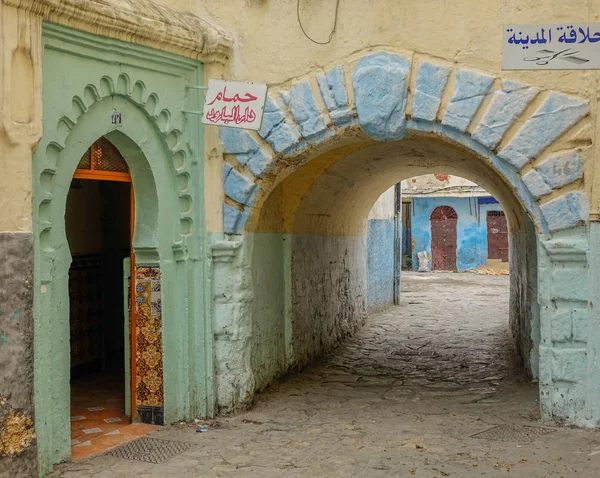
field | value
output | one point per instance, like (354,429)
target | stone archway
(162,154)
(460,105)
(522,136)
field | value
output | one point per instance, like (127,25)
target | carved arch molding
(138,94)
(516,128)
(138,21)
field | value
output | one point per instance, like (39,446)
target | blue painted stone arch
(301,119)
(520,131)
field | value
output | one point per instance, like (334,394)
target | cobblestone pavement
(403,398)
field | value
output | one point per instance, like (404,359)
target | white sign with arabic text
(561,46)
(235,104)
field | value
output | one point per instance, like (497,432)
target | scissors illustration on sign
(546,56)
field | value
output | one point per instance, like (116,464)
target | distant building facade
(456,222)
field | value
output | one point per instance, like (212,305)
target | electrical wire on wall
(337,6)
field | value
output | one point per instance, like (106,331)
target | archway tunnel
(309,250)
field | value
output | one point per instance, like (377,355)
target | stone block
(568,365)
(429,86)
(580,325)
(306,113)
(536,185)
(380,84)
(504,109)
(561,168)
(247,151)
(561,325)
(333,92)
(570,283)
(232,220)
(281,134)
(470,90)
(554,116)
(566,211)
(238,187)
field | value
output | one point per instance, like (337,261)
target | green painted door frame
(87,78)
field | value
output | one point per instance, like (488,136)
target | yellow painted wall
(269,46)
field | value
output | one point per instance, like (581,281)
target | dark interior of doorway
(98,231)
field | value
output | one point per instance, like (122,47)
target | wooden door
(497,236)
(443,238)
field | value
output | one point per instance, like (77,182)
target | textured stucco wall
(568,370)
(329,294)
(268,308)
(471,229)
(380,264)
(380,252)
(17,437)
(384,206)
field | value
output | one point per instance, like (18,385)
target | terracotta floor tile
(81,452)
(138,429)
(105,392)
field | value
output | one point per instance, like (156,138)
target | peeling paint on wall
(471,248)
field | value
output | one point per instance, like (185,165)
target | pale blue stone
(504,109)
(380,84)
(561,325)
(226,170)
(285,97)
(580,325)
(566,211)
(306,113)
(241,224)
(234,221)
(429,86)
(536,184)
(236,186)
(562,168)
(470,90)
(260,163)
(239,142)
(285,138)
(246,149)
(276,130)
(272,117)
(333,92)
(230,219)
(568,365)
(555,116)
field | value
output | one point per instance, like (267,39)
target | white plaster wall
(328,292)
(434,182)
(384,206)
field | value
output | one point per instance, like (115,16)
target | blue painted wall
(380,264)
(471,228)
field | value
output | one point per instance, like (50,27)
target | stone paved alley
(402,398)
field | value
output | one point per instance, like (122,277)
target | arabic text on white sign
(235,104)
(568,46)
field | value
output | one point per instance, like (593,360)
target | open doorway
(99,218)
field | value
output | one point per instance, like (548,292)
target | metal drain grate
(151,450)
(513,433)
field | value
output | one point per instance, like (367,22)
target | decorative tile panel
(149,357)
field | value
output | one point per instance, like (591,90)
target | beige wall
(270,47)
(440,185)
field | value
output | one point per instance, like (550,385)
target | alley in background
(407,396)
